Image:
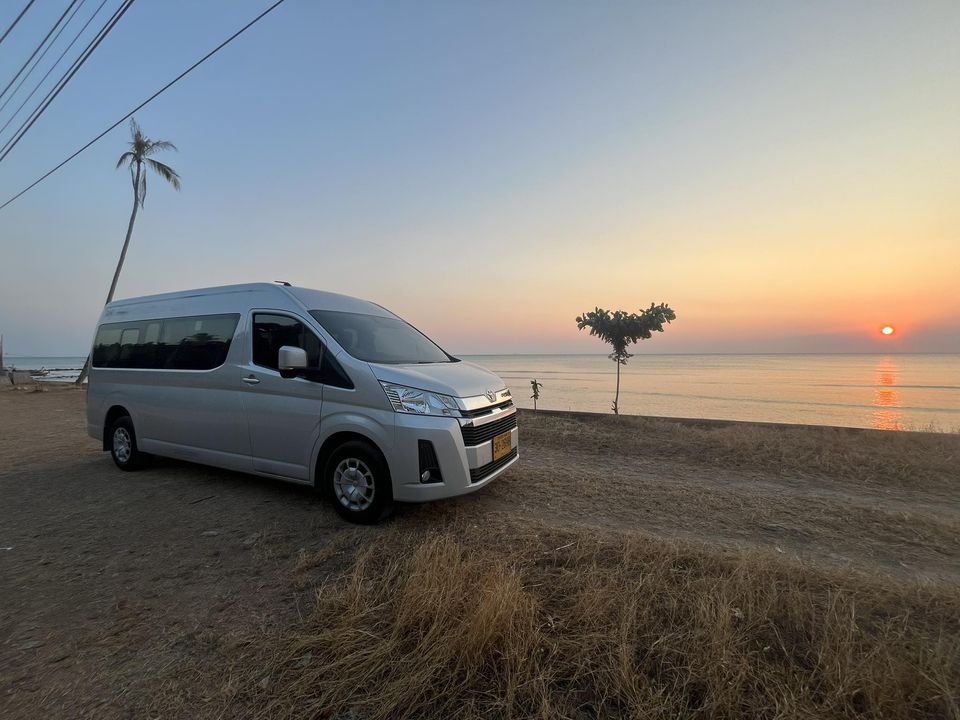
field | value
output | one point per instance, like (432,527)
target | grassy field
(528,622)
(625,568)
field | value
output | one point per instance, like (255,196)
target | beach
(185,591)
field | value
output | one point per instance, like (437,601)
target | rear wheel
(358,483)
(123,444)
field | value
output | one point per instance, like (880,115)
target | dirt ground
(108,580)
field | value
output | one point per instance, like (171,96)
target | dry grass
(866,457)
(532,623)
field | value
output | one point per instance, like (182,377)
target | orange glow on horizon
(888,330)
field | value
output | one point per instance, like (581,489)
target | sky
(786,176)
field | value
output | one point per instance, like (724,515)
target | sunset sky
(785,176)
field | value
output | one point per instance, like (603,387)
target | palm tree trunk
(126,242)
(616,399)
(123,256)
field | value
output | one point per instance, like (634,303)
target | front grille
(478,474)
(486,410)
(482,433)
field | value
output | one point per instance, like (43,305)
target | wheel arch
(115,411)
(335,440)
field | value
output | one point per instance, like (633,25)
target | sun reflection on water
(886,399)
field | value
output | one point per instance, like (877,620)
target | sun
(888,330)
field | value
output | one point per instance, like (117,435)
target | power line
(159,92)
(42,56)
(16,20)
(52,67)
(47,74)
(42,43)
(65,78)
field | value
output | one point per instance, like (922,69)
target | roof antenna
(283,282)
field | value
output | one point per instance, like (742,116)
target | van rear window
(198,342)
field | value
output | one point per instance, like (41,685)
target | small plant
(620,329)
(536,391)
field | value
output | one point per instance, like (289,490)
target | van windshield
(380,339)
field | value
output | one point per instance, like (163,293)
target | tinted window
(152,335)
(106,348)
(380,339)
(190,343)
(271,332)
(129,339)
(195,343)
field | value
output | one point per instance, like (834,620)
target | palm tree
(138,159)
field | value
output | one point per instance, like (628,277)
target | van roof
(310,299)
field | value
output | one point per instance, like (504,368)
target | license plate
(502,445)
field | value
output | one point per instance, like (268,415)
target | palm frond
(139,143)
(158,145)
(140,147)
(165,171)
(135,131)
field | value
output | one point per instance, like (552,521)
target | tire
(357,481)
(123,444)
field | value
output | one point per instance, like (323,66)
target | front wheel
(123,444)
(358,482)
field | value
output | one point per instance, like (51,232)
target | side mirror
(291,360)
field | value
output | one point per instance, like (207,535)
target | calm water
(61,369)
(876,391)
(879,391)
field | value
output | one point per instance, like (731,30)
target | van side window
(195,343)
(332,372)
(271,332)
(129,338)
(106,348)
(189,343)
(152,335)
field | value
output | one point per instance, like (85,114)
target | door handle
(251,380)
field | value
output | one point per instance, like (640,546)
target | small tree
(536,391)
(620,329)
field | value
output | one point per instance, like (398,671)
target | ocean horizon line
(11,356)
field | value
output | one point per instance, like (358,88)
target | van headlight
(420,402)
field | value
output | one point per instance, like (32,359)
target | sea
(885,392)
(60,369)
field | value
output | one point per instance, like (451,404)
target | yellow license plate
(502,446)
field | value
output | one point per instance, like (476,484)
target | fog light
(429,465)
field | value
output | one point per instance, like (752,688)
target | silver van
(302,385)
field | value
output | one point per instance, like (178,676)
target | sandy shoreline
(725,423)
(112,580)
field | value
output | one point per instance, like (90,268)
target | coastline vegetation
(620,329)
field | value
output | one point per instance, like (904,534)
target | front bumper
(464,469)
